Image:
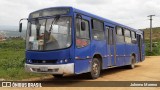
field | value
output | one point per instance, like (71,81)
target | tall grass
(12,59)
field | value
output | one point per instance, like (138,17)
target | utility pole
(150,16)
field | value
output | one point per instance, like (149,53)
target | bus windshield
(49,34)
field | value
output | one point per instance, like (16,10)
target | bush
(155,52)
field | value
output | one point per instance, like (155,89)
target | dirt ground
(149,70)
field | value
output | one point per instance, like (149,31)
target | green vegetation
(12,54)
(156,41)
(155,36)
(156,49)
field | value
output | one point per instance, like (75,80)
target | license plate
(43,69)
(55,70)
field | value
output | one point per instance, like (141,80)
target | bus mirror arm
(83,25)
(20,24)
(20,27)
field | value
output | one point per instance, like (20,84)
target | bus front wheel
(95,69)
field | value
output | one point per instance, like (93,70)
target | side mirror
(20,27)
(83,26)
(20,24)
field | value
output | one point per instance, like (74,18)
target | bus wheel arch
(134,55)
(99,57)
(96,66)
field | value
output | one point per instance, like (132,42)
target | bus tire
(132,66)
(58,76)
(95,69)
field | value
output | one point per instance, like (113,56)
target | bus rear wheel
(132,66)
(95,69)
(58,76)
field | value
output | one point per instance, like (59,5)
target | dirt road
(149,70)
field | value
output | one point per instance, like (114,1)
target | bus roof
(95,16)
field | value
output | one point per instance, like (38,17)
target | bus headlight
(61,61)
(65,60)
(29,61)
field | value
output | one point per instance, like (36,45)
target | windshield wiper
(53,22)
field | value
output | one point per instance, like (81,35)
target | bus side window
(134,40)
(82,36)
(97,30)
(120,35)
(127,36)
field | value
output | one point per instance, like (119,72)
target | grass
(12,59)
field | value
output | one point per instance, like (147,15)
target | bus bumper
(51,69)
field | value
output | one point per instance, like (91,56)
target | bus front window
(49,34)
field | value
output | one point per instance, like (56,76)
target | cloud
(129,12)
(92,2)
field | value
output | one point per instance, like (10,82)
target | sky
(132,13)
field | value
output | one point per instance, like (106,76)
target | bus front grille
(44,61)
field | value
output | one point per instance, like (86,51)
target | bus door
(110,46)
(139,46)
(82,44)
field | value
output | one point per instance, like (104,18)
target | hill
(155,34)
(11,33)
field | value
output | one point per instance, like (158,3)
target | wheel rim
(95,68)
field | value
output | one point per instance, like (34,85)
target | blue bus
(66,40)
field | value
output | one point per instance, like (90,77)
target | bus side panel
(99,47)
(105,59)
(82,66)
(128,53)
(135,50)
(105,63)
(120,51)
